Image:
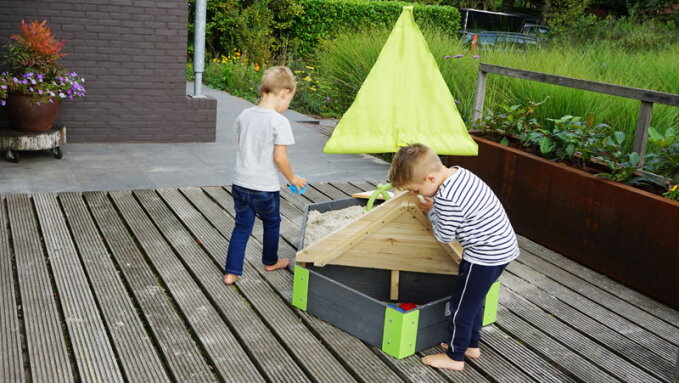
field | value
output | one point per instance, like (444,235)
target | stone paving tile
(92,167)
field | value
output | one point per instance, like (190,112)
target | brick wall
(132,54)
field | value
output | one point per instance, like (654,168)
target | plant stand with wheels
(12,141)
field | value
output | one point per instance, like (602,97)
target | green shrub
(240,78)
(235,76)
(326,19)
(278,30)
(243,26)
(561,13)
(624,33)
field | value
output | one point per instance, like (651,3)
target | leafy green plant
(569,139)
(672,193)
(512,121)
(279,30)
(664,160)
(584,144)
(621,165)
(235,76)
(311,97)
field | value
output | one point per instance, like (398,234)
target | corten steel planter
(625,233)
(27,116)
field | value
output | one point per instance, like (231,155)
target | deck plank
(94,355)
(138,356)
(226,355)
(518,354)
(609,338)
(550,349)
(152,260)
(181,353)
(413,370)
(11,360)
(330,191)
(627,294)
(653,324)
(353,352)
(593,309)
(578,343)
(346,188)
(47,350)
(366,185)
(271,356)
(304,346)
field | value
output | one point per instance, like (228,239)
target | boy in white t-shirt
(263,138)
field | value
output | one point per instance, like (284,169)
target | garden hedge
(324,19)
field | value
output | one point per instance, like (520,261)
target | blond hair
(276,79)
(411,164)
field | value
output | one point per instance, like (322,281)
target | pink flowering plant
(32,68)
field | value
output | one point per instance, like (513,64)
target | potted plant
(33,85)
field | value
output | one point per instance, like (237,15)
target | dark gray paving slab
(100,167)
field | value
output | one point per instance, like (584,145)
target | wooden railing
(647,97)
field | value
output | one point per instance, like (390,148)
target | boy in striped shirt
(460,207)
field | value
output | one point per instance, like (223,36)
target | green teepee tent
(404,100)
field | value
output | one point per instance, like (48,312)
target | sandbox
(354,276)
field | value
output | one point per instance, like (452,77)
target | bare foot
(471,352)
(443,361)
(229,279)
(280,264)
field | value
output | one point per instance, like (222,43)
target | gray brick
(133,55)
(86,7)
(112,8)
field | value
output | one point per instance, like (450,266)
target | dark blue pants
(249,203)
(466,304)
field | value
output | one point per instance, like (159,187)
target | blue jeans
(247,204)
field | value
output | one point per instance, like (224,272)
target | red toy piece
(406,306)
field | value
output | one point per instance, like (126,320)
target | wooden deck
(127,287)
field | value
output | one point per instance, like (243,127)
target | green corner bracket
(400,332)
(491,304)
(300,287)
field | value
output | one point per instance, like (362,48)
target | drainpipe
(199,47)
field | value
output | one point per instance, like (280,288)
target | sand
(319,225)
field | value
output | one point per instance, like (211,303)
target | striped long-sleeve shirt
(467,210)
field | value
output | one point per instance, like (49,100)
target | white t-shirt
(258,130)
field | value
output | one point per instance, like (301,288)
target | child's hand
(424,203)
(298,182)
